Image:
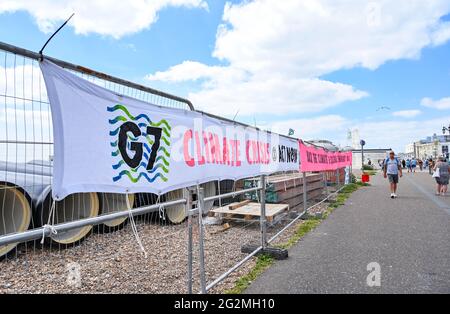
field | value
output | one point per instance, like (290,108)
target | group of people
(393,169)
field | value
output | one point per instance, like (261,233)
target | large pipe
(37,167)
(35,178)
(177,214)
(113,202)
(73,207)
(15,212)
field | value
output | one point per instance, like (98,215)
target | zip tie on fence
(48,226)
(134,228)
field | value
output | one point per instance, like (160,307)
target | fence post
(263,221)
(325,180)
(305,191)
(188,196)
(337,179)
(200,206)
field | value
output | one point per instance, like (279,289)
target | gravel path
(113,262)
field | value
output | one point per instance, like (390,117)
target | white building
(433,146)
(355,138)
(434,150)
(409,151)
(374,155)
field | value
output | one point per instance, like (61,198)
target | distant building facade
(432,146)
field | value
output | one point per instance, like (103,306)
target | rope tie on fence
(234,189)
(220,199)
(161,209)
(49,227)
(255,184)
(134,228)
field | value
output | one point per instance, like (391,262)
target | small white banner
(106,142)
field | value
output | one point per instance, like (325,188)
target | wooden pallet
(251,211)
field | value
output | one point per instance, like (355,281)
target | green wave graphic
(163,121)
(164,150)
(129,115)
(149,140)
(165,140)
(166,133)
(163,159)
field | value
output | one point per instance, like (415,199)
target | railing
(158,223)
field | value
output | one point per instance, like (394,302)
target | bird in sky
(383,108)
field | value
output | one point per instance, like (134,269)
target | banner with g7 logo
(105,142)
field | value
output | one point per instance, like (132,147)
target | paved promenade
(408,237)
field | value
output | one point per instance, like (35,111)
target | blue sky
(319,67)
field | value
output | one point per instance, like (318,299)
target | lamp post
(445,129)
(362,143)
(436,143)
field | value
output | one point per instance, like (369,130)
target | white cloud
(114,18)
(275,53)
(315,128)
(22,81)
(442,34)
(395,134)
(407,113)
(380,134)
(440,104)
(275,95)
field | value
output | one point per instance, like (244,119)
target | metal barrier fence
(164,238)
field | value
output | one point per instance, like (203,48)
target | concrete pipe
(210,190)
(177,214)
(15,212)
(113,202)
(39,168)
(74,207)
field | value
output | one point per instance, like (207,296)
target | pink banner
(318,159)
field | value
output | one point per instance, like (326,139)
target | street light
(436,144)
(444,129)
(362,143)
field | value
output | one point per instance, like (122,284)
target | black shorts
(393,178)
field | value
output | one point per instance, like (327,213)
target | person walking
(413,165)
(408,164)
(441,174)
(403,164)
(420,161)
(392,170)
(430,166)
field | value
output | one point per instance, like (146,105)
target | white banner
(105,142)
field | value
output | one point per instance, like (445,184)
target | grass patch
(302,230)
(262,263)
(265,261)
